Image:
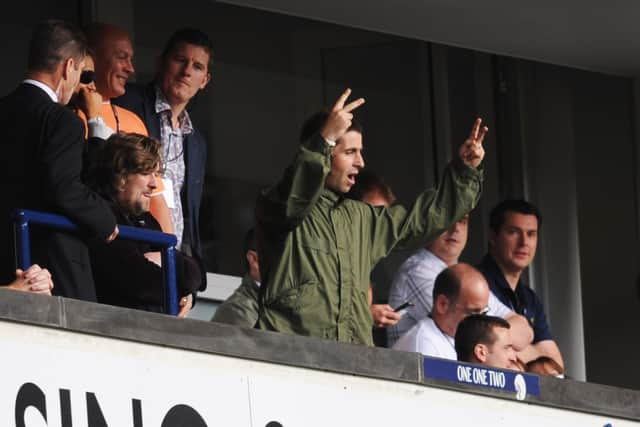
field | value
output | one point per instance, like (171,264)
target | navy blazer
(141,100)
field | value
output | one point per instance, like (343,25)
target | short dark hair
(121,155)
(498,213)
(53,41)
(476,329)
(316,121)
(447,283)
(368,182)
(189,36)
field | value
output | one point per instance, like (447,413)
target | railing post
(171,285)
(23,245)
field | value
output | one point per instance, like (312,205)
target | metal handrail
(24,217)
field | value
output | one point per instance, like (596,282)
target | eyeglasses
(87,76)
(469,312)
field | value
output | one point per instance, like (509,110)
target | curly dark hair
(121,155)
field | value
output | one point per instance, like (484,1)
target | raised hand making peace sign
(472,152)
(340,117)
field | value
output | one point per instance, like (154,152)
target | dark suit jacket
(42,156)
(124,277)
(141,100)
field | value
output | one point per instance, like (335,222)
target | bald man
(459,291)
(113,56)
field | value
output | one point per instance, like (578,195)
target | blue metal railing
(24,217)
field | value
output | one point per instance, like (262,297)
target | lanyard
(115,116)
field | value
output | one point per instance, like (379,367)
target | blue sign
(522,384)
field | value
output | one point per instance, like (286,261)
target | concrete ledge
(208,337)
(590,397)
(304,352)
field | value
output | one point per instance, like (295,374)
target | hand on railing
(59,222)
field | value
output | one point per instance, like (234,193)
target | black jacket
(141,100)
(40,168)
(124,277)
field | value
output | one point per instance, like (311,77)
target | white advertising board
(57,378)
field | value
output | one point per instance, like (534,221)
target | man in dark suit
(184,71)
(40,168)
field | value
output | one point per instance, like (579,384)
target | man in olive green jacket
(317,248)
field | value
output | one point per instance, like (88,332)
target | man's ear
(252,257)
(480,352)
(254,264)
(206,81)
(122,182)
(441,304)
(68,66)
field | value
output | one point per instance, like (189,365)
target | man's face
(89,66)
(346,162)
(114,65)
(472,299)
(514,245)
(450,244)
(134,195)
(184,72)
(501,354)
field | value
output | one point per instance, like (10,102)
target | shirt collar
(434,258)
(490,266)
(44,87)
(331,195)
(162,105)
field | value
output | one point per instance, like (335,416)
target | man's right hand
(113,235)
(383,315)
(154,257)
(90,102)
(339,119)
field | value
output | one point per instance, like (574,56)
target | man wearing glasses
(459,291)
(513,239)
(42,163)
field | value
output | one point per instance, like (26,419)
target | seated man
(128,273)
(413,282)
(459,291)
(34,279)
(486,340)
(513,239)
(241,308)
